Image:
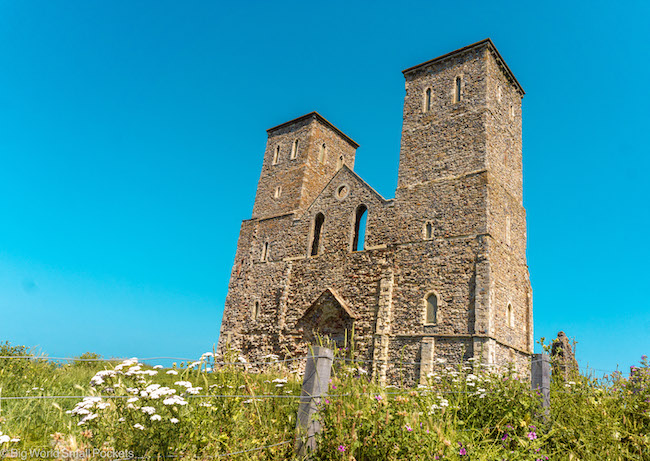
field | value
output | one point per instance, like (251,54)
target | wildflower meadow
(125,409)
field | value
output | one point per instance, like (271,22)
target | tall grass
(194,412)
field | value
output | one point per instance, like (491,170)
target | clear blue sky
(132,134)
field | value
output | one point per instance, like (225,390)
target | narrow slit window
(427,100)
(278,192)
(340,163)
(322,153)
(457,89)
(428,231)
(265,252)
(360,221)
(432,309)
(276,155)
(294,149)
(510,319)
(318,227)
(256,310)
(508,225)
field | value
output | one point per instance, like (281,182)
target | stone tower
(440,272)
(300,157)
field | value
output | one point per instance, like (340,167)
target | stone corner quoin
(437,274)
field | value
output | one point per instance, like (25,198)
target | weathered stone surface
(563,358)
(460,171)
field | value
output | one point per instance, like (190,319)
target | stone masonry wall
(301,178)
(460,172)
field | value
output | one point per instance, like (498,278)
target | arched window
(457,89)
(294,149)
(276,156)
(265,252)
(431,314)
(510,319)
(322,153)
(428,230)
(360,221)
(278,192)
(256,310)
(427,100)
(318,228)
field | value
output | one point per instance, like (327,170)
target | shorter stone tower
(301,156)
(437,274)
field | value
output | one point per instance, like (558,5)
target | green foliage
(87,360)
(461,412)
(197,410)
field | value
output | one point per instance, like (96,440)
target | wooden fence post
(540,377)
(314,386)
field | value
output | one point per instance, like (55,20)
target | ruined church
(436,274)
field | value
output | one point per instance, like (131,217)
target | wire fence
(471,364)
(276,361)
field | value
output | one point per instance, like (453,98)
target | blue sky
(132,134)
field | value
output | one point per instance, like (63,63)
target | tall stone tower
(440,273)
(461,161)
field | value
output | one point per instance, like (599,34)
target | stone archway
(328,316)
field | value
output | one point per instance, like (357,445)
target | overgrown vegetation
(193,412)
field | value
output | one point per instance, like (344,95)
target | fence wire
(470,362)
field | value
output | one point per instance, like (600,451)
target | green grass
(463,413)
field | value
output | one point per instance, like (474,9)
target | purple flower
(378,397)
(409,428)
(341,448)
(531,435)
(505,437)
(462,451)
(327,402)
